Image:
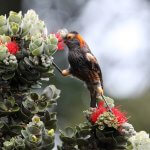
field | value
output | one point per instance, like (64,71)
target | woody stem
(57,67)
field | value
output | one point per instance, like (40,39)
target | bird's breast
(76,60)
(80,67)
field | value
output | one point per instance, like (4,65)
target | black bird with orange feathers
(83,65)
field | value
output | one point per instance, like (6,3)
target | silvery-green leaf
(25,31)
(52,36)
(5,39)
(15,17)
(1,124)
(4,30)
(31,15)
(3,107)
(33,130)
(3,52)
(32,46)
(8,145)
(50,49)
(36,86)
(3,20)
(14,28)
(24,133)
(37,52)
(38,41)
(8,76)
(51,92)
(54,41)
(39,27)
(11,101)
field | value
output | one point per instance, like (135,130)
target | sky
(117,35)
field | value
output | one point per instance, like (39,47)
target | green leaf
(24,133)
(3,107)
(28,62)
(33,130)
(4,30)
(8,76)
(54,41)
(10,102)
(36,86)
(69,132)
(36,52)
(51,92)
(1,124)
(8,145)
(15,108)
(42,106)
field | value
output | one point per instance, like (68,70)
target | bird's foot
(100,91)
(65,72)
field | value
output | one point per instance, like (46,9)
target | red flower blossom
(13,47)
(121,118)
(60,44)
(98,111)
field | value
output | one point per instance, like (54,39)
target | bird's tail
(93,94)
(93,99)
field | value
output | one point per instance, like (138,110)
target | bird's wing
(94,66)
(92,63)
(91,58)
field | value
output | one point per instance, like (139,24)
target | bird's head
(74,39)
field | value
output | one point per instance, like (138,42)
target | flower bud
(51,132)
(14,28)
(36,119)
(34,138)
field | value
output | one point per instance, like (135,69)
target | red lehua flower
(120,116)
(60,44)
(13,47)
(98,111)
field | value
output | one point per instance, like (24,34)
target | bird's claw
(100,91)
(65,72)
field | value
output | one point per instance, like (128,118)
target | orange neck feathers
(81,40)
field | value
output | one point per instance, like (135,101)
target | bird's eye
(69,37)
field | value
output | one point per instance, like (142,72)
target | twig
(106,103)
(57,67)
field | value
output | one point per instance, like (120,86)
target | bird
(83,65)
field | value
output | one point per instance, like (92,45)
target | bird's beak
(65,39)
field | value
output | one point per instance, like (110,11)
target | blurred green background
(102,26)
